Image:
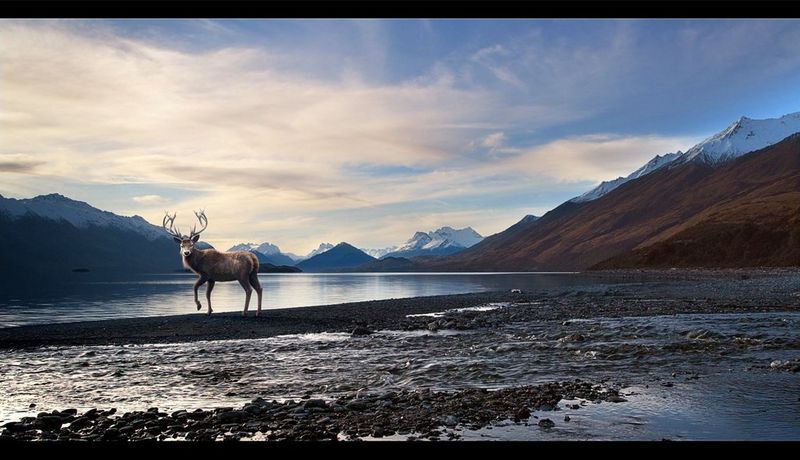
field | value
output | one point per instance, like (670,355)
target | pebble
(546,423)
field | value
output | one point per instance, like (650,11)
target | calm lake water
(85,297)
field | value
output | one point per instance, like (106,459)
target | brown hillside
(761,189)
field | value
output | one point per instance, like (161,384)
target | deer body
(212,266)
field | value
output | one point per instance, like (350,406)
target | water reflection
(88,297)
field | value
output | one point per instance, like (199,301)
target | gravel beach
(409,413)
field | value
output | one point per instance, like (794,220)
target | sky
(298,132)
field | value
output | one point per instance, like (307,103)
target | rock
(451,421)
(67,412)
(775,364)
(318,403)
(49,422)
(356,405)
(234,416)
(516,291)
(378,432)
(110,434)
(360,331)
(433,326)
(546,423)
(616,399)
(566,418)
(522,414)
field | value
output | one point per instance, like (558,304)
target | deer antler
(171,230)
(201,216)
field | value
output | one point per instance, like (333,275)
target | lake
(87,296)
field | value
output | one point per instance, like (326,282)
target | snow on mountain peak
(442,238)
(55,206)
(743,136)
(323,247)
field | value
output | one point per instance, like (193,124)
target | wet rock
(49,422)
(451,421)
(315,403)
(546,423)
(233,416)
(566,418)
(616,399)
(360,331)
(356,405)
(111,434)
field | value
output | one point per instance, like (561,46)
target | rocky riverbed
(413,414)
(655,359)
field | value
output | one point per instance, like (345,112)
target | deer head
(186,242)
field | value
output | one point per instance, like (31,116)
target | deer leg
(257,286)
(200,281)
(209,288)
(247,292)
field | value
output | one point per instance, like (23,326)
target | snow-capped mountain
(267,252)
(378,253)
(81,215)
(606,186)
(323,247)
(445,240)
(267,249)
(743,136)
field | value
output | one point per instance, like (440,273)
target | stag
(212,265)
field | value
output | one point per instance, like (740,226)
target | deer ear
(177,240)
(195,238)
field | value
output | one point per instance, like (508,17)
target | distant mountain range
(719,204)
(343,256)
(54,234)
(732,200)
(443,241)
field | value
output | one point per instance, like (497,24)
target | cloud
(592,158)
(269,138)
(18,164)
(151,200)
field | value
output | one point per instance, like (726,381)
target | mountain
(387,264)
(77,213)
(743,136)
(606,186)
(378,253)
(55,235)
(754,222)
(322,248)
(266,253)
(340,257)
(443,241)
(726,206)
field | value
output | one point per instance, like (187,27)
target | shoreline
(702,291)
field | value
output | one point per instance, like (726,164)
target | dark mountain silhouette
(342,256)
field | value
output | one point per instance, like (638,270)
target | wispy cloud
(271,139)
(151,200)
